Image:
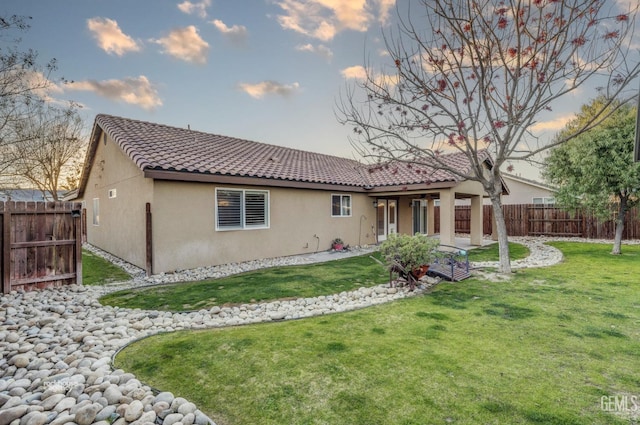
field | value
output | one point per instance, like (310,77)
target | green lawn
(273,283)
(542,348)
(490,252)
(266,284)
(98,271)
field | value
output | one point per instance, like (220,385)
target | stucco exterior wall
(405,215)
(519,193)
(121,230)
(469,187)
(523,193)
(185,235)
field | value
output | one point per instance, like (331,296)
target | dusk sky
(265,70)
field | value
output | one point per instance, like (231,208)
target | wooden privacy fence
(546,220)
(41,245)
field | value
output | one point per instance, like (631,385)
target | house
(522,191)
(28,195)
(526,191)
(167,198)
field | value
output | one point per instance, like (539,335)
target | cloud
(237,34)
(358,72)
(110,37)
(185,44)
(385,7)
(199,8)
(37,84)
(320,49)
(626,5)
(40,84)
(136,91)
(355,72)
(259,90)
(555,125)
(323,19)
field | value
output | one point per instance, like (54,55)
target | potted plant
(337,244)
(409,256)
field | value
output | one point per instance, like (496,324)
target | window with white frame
(238,209)
(96,211)
(544,201)
(341,205)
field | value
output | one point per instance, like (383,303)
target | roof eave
(248,180)
(405,188)
(96,132)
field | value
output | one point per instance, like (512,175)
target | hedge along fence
(41,245)
(546,220)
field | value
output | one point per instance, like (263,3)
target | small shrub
(408,252)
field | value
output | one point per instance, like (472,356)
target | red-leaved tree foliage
(476,76)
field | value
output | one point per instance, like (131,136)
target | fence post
(77,233)
(149,241)
(83,224)
(6,248)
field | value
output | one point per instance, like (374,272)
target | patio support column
(431,217)
(476,220)
(447,217)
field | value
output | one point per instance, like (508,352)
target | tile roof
(157,147)
(403,173)
(160,147)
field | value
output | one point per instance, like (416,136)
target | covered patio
(413,212)
(405,195)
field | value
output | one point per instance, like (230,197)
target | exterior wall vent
(112,193)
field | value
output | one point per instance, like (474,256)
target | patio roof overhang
(411,189)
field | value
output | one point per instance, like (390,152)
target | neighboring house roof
(27,195)
(173,153)
(528,181)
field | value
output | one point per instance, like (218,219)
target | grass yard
(543,348)
(490,252)
(274,283)
(267,284)
(98,271)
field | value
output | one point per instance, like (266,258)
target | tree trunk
(622,212)
(503,238)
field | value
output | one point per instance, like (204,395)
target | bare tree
(51,138)
(475,76)
(23,82)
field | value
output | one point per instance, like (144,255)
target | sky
(271,71)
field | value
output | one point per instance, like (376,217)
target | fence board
(546,220)
(5,263)
(40,246)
